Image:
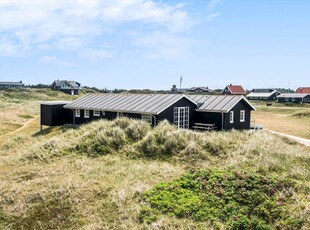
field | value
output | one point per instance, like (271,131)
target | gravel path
(300,140)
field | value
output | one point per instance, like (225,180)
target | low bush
(53,213)
(302,114)
(239,200)
(26,116)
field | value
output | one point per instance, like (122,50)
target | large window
(120,114)
(231,117)
(86,113)
(147,118)
(97,113)
(242,116)
(77,113)
(181,117)
(286,99)
(293,98)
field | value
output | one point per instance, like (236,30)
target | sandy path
(25,125)
(300,140)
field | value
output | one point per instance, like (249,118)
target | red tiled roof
(236,89)
(303,90)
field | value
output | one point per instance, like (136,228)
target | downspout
(154,120)
(222,121)
(73,116)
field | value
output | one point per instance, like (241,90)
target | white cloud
(55,60)
(10,48)
(148,12)
(213,4)
(73,25)
(160,45)
(210,17)
(95,54)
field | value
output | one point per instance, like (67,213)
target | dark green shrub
(239,200)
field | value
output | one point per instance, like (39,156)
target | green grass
(8,127)
(20,96)
(26,116)
(279,104)
(237,200)
(302,114)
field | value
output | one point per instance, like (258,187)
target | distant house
(303,90)
(199,89)
(294,97)
(12,85)
(263,94)
(263,90)
(218,112)
(68,87)
(233,90)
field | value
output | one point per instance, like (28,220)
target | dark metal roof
(12,83)
(295,95)
(65,84)
(200,88)
(54,102)
(218,103)
(132,103)
(261,94)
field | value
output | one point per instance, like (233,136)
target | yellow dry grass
(283,120)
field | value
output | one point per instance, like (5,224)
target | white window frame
(96,113)
(293,99)
(77,113)
(147,118)
(86,113)
(120,114)
(181,117)
(231,117)
(286,99)
(242,115)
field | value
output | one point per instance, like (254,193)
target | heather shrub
(239,200)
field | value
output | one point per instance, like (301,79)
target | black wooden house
(263,94)
(53,113)
(223,112)
(68,87)
(12,85)
(294,98)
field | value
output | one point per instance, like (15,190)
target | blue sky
(149,44)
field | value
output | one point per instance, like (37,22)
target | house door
(181,117)
(72,91)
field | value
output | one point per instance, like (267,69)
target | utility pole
(289,87)
(181,79)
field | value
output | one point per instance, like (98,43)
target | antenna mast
(181,79)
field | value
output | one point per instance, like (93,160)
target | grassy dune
(18,106)
(289,120)
(94,176)
(101,175)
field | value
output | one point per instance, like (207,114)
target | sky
(140,44)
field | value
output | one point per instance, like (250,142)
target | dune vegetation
(293,120)
(20,106)
(123,174)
